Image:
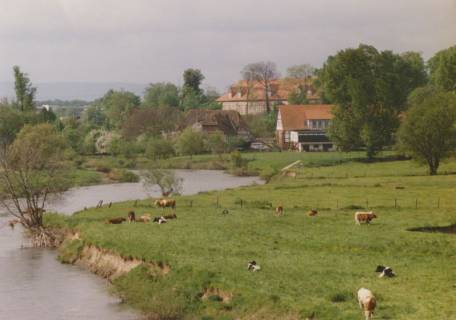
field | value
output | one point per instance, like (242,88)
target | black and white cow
(385,272)
(253,266)
(160,220)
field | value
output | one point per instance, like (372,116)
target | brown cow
(165,203)
(367,302)
(364,217)
(170,216)
(116,220)
(312,213)
(145,218)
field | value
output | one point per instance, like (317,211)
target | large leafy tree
(192,96)
(263,72)
(25,92)
(442,67)
(161,94)
(370,89)
(118,106)
(31,171)
(428,132)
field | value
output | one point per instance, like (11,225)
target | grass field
(308,263)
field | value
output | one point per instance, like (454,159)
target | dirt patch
(451,229)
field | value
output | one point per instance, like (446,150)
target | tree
(11,122)
(370,89)
(193,79)
(25,92)
(161,94)
(189,143)
(118,106)
(166,180)
(264,73)
(298,96)
(302,71)
(216,143)
(31,172)
(442,67)
(95,117)
(428,132)
(150,122)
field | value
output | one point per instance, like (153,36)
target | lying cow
(253,266)
(367,302)
(145,218)
(279,211)
(385,272)
(364,217)
(166,203)
(160,220)
(312,213)
(116,220)
(170,216)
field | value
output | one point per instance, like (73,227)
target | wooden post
(191,203)
(241,203)
(395,203)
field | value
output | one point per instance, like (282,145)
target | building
(207,121)
(303,127)
(249,97)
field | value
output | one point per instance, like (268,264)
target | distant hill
(73,90)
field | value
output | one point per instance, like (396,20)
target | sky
(146,41)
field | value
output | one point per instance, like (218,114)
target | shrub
(159,149)
(122,175)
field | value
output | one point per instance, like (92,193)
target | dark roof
(229,122)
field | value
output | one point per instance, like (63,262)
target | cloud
(155,40)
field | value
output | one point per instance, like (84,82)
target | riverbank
(309,264)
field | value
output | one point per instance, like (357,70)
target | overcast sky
(144,41)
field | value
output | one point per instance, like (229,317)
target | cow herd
(366,299)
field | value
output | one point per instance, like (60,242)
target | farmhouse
(303,127)
(249,97)
(207,121)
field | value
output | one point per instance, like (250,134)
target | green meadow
(308,264)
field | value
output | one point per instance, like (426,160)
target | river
(33,284)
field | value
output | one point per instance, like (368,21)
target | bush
(159,149)
(122,175)
(128,149)
(268,172)
(190,142)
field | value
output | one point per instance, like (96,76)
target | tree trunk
(433,166)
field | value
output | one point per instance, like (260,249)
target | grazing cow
(364,217)
(385,272)
(166,203)
(312,213)
(170,216)
(252,266)
(159,220)
(279,211)
(367,302)
(131,216)
(116,220)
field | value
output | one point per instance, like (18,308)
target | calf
(364,217)
(385,272)
(252,265)
(144,218)
(279,211)
(367,302)
(116,220)
(131,216)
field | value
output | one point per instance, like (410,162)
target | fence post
(395,203)
(241,203)
(191,203)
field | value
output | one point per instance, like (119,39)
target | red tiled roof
(280,90)
(294,117)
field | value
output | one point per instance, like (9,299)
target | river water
(33,284)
